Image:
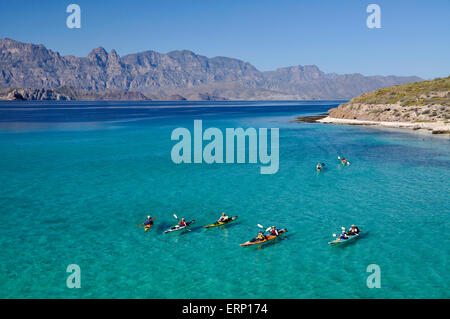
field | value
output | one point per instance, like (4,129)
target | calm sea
(77,178)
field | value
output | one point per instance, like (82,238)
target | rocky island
(421,105)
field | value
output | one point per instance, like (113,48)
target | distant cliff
(177,74)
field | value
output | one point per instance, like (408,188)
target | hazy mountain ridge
(67,93)
(182,74)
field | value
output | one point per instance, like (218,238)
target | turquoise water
(77,178)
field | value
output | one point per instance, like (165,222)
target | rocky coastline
(419,106)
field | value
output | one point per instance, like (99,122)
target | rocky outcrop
(68,94)
(419,101)
(419,106)
(176,97)
(205,97)
(183,73)
(391,112)
(32,94)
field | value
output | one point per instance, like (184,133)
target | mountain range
(176,75)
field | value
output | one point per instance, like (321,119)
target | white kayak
(178,227)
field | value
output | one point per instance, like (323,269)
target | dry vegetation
(436,91)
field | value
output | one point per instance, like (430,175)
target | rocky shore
(418,106)
(438,127)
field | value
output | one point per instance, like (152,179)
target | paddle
(146,221)
(176,217)
(262,227)
(178,226)
(343,228)
(348,163)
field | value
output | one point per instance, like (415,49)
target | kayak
(321,168)
(147,227)
(268,238)
(229,220)
(343,241)
(178,227)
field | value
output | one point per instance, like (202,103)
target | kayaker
(344,161)
(274,231)
(149,221)
(260,236)
(182,222)
(223,218)
(318,167)
(353,230)
(343,235)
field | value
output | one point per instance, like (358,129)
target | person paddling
(353,230)
(274,231)
(343,235)
(148,223)
(260,236)
(182,223)
(223,218)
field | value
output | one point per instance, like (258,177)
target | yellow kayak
(229,220)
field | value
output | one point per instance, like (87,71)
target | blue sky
(413,40)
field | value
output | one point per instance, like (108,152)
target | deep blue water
(77,178)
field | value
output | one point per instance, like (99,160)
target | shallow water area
(78,177)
